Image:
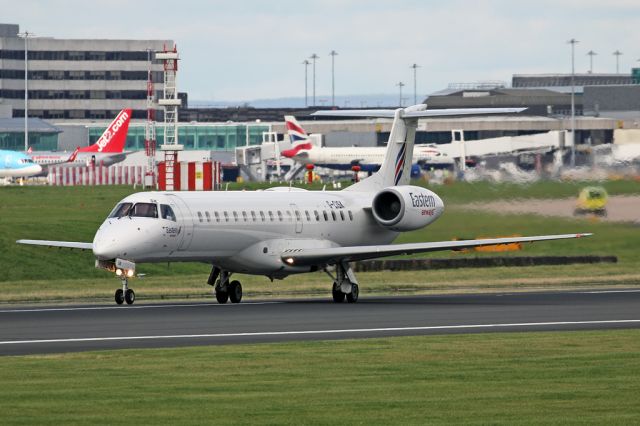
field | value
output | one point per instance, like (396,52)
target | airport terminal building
(76,79)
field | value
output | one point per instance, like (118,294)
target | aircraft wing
(320,256)
(59,244)
(390,113)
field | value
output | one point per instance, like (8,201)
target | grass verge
(509,378)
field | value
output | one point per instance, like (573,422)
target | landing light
(119,272)
(289,260)
(130,273)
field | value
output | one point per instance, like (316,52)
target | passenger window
(208,216)
(217,216)
(306,213)
(289,217)
(262,215)
(244,215)
(326,216)
(235,215)
(297,215)
(342,215)
(317,215)
(270,215)
(167,212)
(200,216)
(279,215)
(333,215)
(253,215)
(226,216)
(350,215)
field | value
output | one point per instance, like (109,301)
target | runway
(36,330)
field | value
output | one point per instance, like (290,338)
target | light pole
(26,35)
(306,97)
(617,54)
(573,43)
(400,86)
(415,83)
(591,54)
(333,77)
(313,58)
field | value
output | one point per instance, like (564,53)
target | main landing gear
(125,294)
(345,284)
(224,289)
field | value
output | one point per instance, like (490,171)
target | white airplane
(368,159)
(282,231)
(107,150)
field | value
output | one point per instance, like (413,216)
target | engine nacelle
(406,208)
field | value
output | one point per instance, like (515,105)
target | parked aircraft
(108,149)
(17,164)
(368,159)
(282,231)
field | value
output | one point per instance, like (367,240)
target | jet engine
(406,208)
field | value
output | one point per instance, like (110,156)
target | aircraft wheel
(235,291)
(338,296)
(119,296)
(353,296)
(222,296)
(129,296)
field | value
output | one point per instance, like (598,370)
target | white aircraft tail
(396,166)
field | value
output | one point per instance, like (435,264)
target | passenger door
(185,219)
(297,217)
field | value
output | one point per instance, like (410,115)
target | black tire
(235,291)
(222,296)
(338,296)
(129,296)
(353,296)
(119,296)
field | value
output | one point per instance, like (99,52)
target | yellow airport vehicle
(592,200)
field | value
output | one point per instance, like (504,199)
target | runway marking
(102,308)
(311,332)
(608,291)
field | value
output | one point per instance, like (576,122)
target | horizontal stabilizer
(321,256)
(59,244)
(414,113)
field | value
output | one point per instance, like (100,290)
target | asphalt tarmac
(55,329)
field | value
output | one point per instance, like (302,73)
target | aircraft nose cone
(104,250)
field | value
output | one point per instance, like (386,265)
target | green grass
(511,378)
(74,214)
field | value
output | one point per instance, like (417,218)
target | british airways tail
(396,166)
(114,137)
(299,138)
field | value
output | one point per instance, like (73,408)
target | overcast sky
(244,50)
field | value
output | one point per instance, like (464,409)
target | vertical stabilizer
(114,137)
(396,166)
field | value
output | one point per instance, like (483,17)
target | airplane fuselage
(241,231)
(48,158)
(369,159)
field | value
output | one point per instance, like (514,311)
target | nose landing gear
(125,294)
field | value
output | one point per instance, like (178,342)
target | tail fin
(396,166)
(297,135)
(114,137)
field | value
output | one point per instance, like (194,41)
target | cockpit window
(121,210)
(167,212)
(145,210)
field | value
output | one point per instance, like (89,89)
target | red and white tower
(170,102)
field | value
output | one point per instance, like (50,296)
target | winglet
(73,156)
